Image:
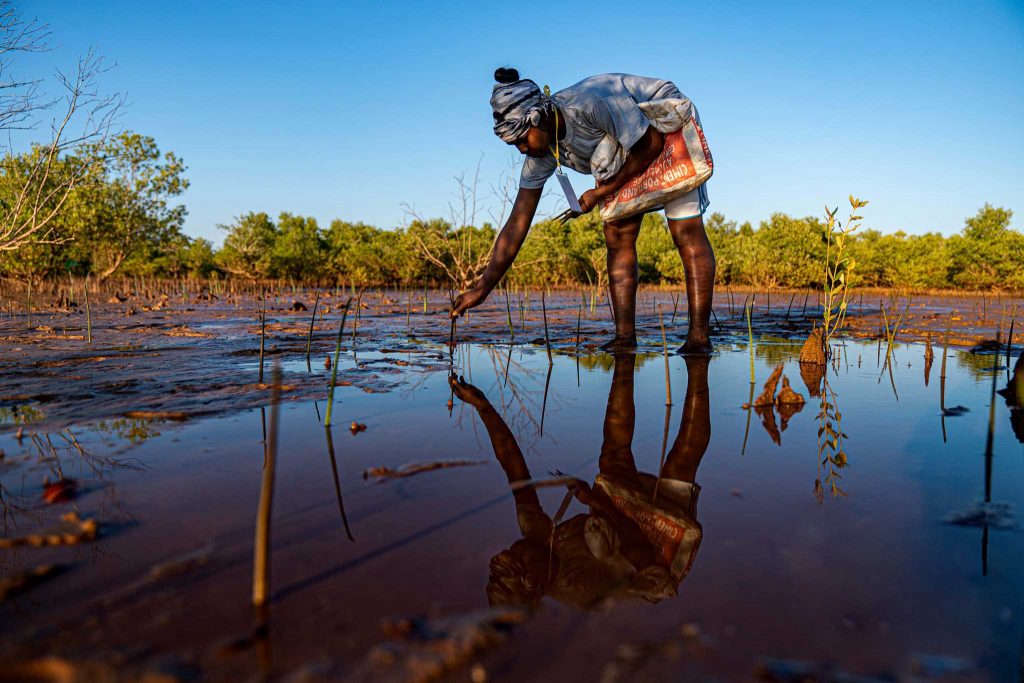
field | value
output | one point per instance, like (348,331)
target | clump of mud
(813,351)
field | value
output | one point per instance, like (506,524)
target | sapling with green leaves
(838,267)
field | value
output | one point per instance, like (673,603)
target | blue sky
(348,110)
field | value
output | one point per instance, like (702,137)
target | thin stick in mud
(945,345)
(750,338)
(334,368)
(579,318)
(508,314)
(263,331)
(312,319)
(261,558)
(664,346)
(547,339)
(1009,338)
(451,337)
(88,313)
(355,322)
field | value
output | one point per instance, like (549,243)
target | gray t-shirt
(595,108)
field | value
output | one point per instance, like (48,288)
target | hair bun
(505,74)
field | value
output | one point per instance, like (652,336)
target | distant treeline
(123,222)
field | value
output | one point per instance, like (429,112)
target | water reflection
(1014,395)
(640,534)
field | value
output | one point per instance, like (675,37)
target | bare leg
(699,264)
(695,428)
(620,421)
(623,274)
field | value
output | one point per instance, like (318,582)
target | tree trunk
(112,268)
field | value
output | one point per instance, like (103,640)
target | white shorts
(690,205)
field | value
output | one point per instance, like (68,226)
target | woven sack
(684,164)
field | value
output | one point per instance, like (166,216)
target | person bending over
(596,127)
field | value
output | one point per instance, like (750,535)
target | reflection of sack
(684,164)
(667,520)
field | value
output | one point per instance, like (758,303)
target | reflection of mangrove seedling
(838,266)
(20,415)
(134,431)
(831,454)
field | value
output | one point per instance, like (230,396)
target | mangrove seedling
(312,319)
(334,367)
(838,266)
(261,560)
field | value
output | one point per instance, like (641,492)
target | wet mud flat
(582,531)
(188,354)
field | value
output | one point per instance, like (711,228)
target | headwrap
(517,106)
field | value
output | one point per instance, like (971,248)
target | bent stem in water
(664,346)
(750,409)
(312,319)
(261,559)
(547,339)
(337,483)
(334,368)
(544,405)
(750,338)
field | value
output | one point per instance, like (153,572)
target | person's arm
(507,451)
(637,160)
(506,248)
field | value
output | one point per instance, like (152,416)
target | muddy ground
(184,356)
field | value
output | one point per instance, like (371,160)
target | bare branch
(50,172)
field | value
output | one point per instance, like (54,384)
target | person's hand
(588,200)
(471,298)
(591,198)
(466,392)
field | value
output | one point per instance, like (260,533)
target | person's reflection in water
(640,535)
(1014,395)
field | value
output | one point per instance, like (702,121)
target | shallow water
(874,581)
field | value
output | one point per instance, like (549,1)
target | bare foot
(619,344)
(696,348)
